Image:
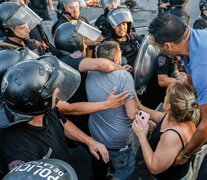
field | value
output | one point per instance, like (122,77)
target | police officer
(166,72)
(34,88)
(201,22)
(16,22)
(71,13)
(8,59)
(121,21)
(101,22)
(175,7)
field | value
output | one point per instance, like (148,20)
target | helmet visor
(87,30)
(24,15)
(106,3)
(63,77)
(118,16)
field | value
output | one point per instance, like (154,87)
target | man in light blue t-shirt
(113,127)
(172,35)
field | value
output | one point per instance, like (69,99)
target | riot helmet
(27,87)
(81,2)
(67,39)
(13,14)
(113,3)
(43,169)
(120,15)
(203,5)
(11,57)
(72,7)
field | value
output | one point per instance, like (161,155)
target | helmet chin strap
(71,16)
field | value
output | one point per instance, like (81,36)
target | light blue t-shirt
(197,66)
(110,127)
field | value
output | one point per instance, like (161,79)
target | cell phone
(143,117)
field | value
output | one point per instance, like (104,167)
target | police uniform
(154,95)
(23,142)
(102,24)
(200,23)
(130,47)
(9,44)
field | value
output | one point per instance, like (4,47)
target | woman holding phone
(175,127)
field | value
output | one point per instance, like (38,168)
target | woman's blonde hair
(183,101)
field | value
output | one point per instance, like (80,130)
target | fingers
(123,96)
(112,91)
(100,150)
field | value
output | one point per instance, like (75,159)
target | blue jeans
(123,162)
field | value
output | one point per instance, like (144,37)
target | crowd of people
(73,104)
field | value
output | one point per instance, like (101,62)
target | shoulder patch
(161,60)
(77,54)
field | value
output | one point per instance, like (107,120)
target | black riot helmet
(120,15)
(27,87)
(10,57)
(67,39)
(13,14)
(203,5)
(43,170)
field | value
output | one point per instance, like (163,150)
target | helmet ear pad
(67,39)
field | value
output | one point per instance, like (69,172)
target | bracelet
(186,157)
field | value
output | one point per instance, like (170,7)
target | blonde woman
(174,130)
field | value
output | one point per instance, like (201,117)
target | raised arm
(155,116)
(113,101)
(98,64)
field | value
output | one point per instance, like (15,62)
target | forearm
(81,108)
(74,133)
(155,116)
(198,139)
(166,81)
(147,153)
(108,65)
(98,64)
(131,108)
(50,2)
